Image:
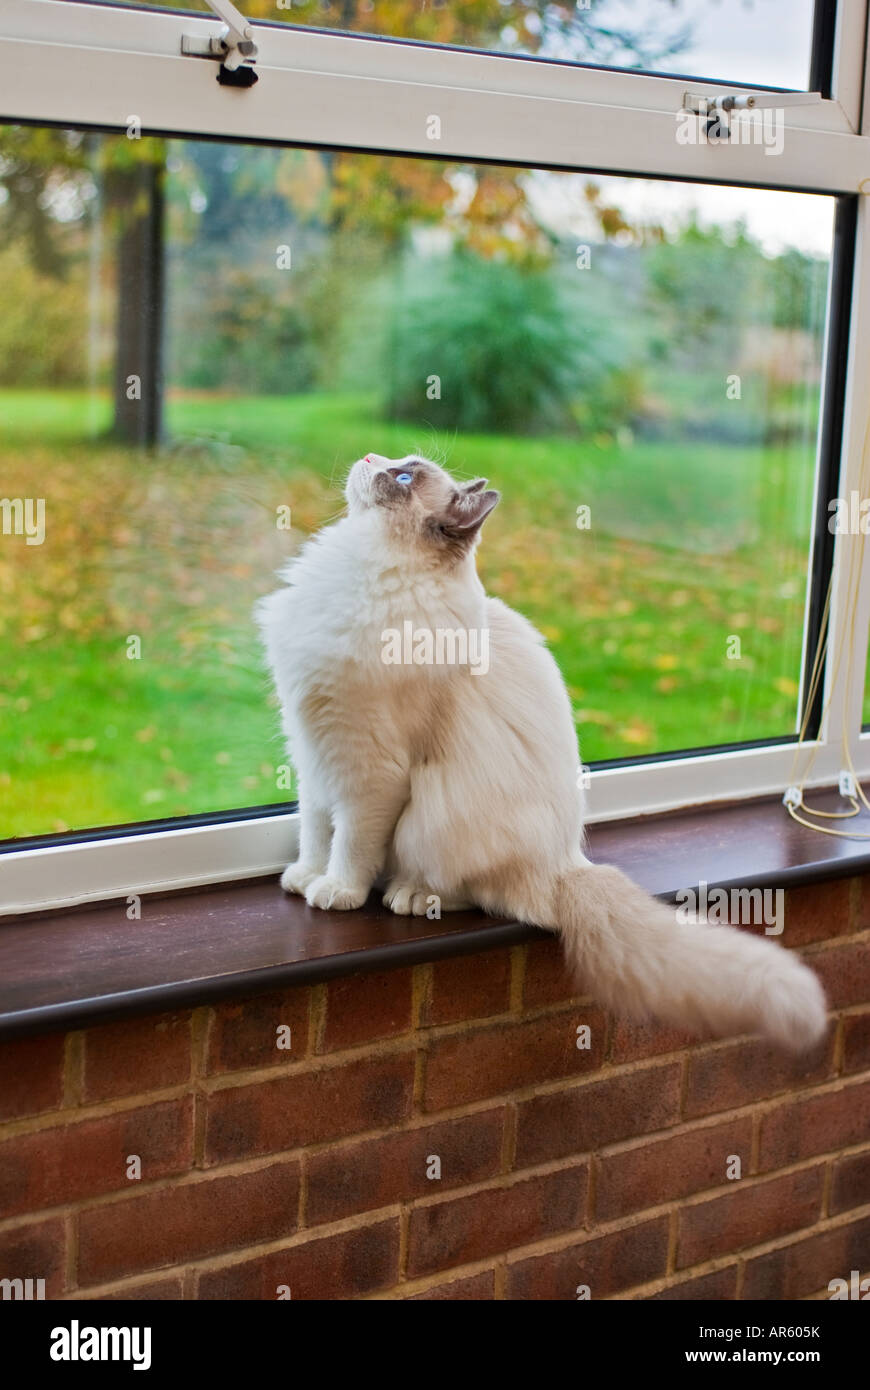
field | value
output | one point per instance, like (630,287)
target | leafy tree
(799,287)
(588,33)
(33,162)
(45,172)
(695,281)
(377,198)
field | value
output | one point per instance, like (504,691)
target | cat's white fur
(441,784)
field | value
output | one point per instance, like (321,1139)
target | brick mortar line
(193,1176)
(517,960)
(401,1292)
(742,1257)
(302,1205)
(756,1109)
(260,1249)
(71,1252)
(189,1178)
(500,1182)
(827,1185)
(671,1280)
(312,1065)
(415,1041)
(563,1240)
(569,1081)
(831,943)
(673,1237)
(200,1038)
(404,1243)
(818,1296)
(200,1119)
(657,1136)
(434,1032)
(405,1041)
(829,1086)
(673,1205)
(683,1125)
(421,996)
(605,1072)
(64,1117)
(311,1235)
(235,1167)
(424,1037)
(751,1181)
(316,1022)
(100,1110)
(591,1193)
(683,1088)
(755,1142)
(201,1028)
(450,1274)
(509,1139)
(765,1104)
(418,1083)
(839,1049)
(239,1167)
(849,1150)
(792,1237)
(96,1291)
(674,1278)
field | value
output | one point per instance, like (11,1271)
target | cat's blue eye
(404,478)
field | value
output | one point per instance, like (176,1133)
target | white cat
(460,784)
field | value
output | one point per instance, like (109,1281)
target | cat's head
(417,503)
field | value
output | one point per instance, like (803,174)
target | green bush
(228,330)
(502,341)
(44,324)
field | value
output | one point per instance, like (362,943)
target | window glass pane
(750,41)
(635,364)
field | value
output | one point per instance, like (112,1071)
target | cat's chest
(359,623)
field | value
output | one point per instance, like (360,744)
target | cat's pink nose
(367,459)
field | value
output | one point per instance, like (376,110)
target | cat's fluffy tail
(633,954)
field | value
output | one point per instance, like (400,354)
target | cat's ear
(475,486)
(466,512)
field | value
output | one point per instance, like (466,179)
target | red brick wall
(559,1167)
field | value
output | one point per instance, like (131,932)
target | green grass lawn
(689,545)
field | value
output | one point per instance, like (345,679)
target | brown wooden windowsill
(91,965)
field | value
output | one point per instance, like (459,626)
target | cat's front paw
(296,877)
(329,892)
(406,900)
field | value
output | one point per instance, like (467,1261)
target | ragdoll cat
(457,780)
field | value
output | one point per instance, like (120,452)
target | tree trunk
(137,194)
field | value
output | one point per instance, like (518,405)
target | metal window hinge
(716,110)
(234,46)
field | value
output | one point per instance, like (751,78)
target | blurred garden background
(760,41)
(649,352)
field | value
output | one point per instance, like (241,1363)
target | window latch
(715,111)
(234,46)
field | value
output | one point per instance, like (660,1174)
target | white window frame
(79,64)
